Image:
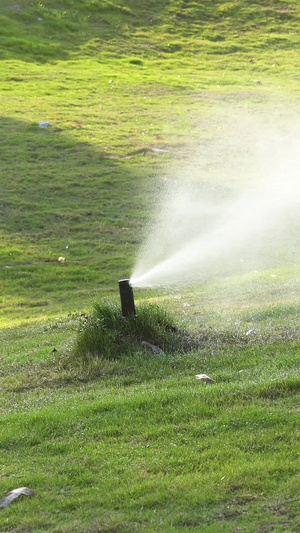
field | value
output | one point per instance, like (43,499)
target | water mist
(232,205)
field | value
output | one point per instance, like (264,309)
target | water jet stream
(194,236)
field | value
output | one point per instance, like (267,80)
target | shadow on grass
(62,198)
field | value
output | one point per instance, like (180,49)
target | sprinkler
(127,299)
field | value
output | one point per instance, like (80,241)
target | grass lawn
(136,443)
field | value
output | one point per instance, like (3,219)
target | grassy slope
(111,81)
(138,444)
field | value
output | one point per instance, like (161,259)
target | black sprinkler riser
(127,299)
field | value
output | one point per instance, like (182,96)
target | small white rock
(204,377)
(44,124)
(13,494)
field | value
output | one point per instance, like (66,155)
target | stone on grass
(204,377)
(44,124)
(13,494)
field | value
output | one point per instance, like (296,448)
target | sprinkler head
(127,299)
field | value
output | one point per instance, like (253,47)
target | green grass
(139,444)
(136,443)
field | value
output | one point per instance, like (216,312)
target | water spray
(127,299)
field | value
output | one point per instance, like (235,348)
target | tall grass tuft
(106,333)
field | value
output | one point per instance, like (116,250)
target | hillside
(33,31)
(114,78)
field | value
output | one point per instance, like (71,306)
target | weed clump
(106,333)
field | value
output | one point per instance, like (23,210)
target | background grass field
(137,444)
